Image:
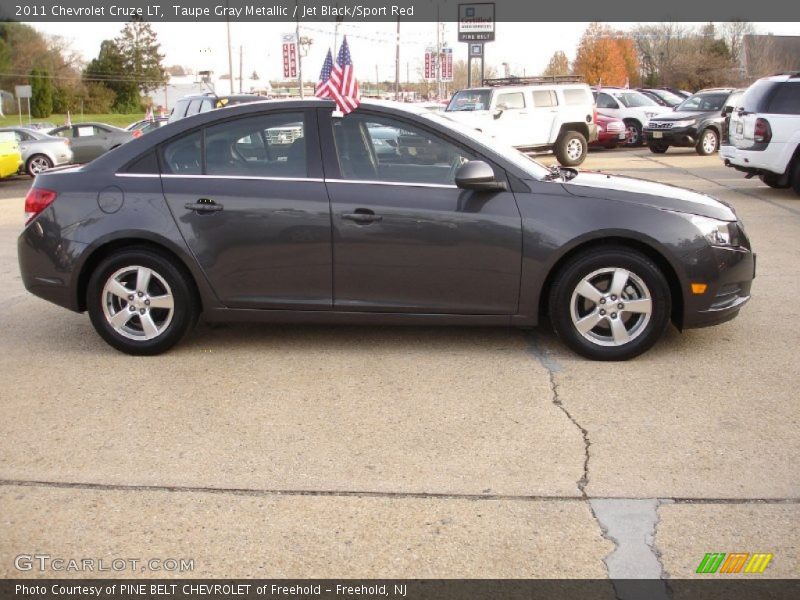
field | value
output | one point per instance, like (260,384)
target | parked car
(90,140)
(10,156)
(662,97)
(731,104)
(632,107)
(39,150)
(473,232)
(200,103)
(696,123)
(533,113)
(765,132)
(610,131)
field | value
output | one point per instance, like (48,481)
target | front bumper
(724,297)
(685,137)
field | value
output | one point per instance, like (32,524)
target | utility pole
(299,54)
(230,54)
(438,59)
(240,69)
(397,64)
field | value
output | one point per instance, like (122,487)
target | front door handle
(362,216)
(203,205)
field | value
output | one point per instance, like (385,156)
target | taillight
(137,133)
(594,114)
(763,132)
(36,201)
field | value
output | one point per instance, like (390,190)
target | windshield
(527,164)
(668,96)
(704,102)
(470,100)
(634,99)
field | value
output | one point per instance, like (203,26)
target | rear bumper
(725,296)
(754,162)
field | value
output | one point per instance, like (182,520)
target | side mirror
(499,110)
(477,175)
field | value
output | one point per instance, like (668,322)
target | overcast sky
(525,46)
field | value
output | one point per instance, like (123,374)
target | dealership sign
(476,22)
(447,64)
(289,56)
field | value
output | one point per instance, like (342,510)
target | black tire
(633,134)
(709,134)
(774,181)
(644,330)
(658,148)
(571,148)
(796,177)
(38,163)
(185,305)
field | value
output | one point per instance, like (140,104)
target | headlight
(684,123)
(718,233)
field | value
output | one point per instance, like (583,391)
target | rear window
(754,99)
(575,97)
(785,100)
(470,100)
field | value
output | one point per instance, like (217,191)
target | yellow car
(10,156)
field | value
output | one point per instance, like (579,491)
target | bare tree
(733,33)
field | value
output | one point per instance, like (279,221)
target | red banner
(289,56)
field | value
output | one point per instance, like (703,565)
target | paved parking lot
(285,451)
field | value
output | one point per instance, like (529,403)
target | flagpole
(397,64)
(230,55)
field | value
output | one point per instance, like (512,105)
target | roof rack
(543,80)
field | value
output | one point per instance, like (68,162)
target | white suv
(632,107)
(764,132)
(531,113)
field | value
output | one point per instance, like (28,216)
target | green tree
(558,65)
(109,70)
(41,93)
(139,49)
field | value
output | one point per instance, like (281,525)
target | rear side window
(184,155)
(754,99)
(194,107)
(179,111)
(576,97)
(511,100)
(262,146)
(544,98)
(785,100)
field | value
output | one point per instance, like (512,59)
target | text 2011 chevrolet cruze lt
(282,211)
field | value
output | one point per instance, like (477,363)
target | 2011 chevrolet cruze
(282,211)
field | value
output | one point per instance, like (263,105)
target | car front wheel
(141,302)
(708,142)
(571,149)
(610,304)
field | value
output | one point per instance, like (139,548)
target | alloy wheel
(574,149)
(611,306)
(709,142)
(38,165)
(138,303)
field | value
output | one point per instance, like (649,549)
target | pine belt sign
(476,22)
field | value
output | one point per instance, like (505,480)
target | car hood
(648,193)
(684,114)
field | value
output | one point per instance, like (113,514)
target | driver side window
(384,149)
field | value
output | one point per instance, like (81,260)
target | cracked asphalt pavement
(293,452)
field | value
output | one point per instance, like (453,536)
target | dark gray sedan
(217,214)
(90,140)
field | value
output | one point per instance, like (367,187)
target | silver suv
(531,113)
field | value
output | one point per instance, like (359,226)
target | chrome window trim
(394,183)
(304,179)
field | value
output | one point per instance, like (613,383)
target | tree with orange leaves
(606,57)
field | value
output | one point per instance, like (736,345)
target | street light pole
(230,52)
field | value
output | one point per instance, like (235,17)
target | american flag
(324,82)
(343,85)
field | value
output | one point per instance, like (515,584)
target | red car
(610,131)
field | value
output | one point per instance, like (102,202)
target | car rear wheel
(633,133)
(140,302)
(708,142)
(659,148)
(571,149)
(37,164)
(774,181)
(610,304)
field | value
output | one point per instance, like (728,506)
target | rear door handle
(362,216)
(203,205)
